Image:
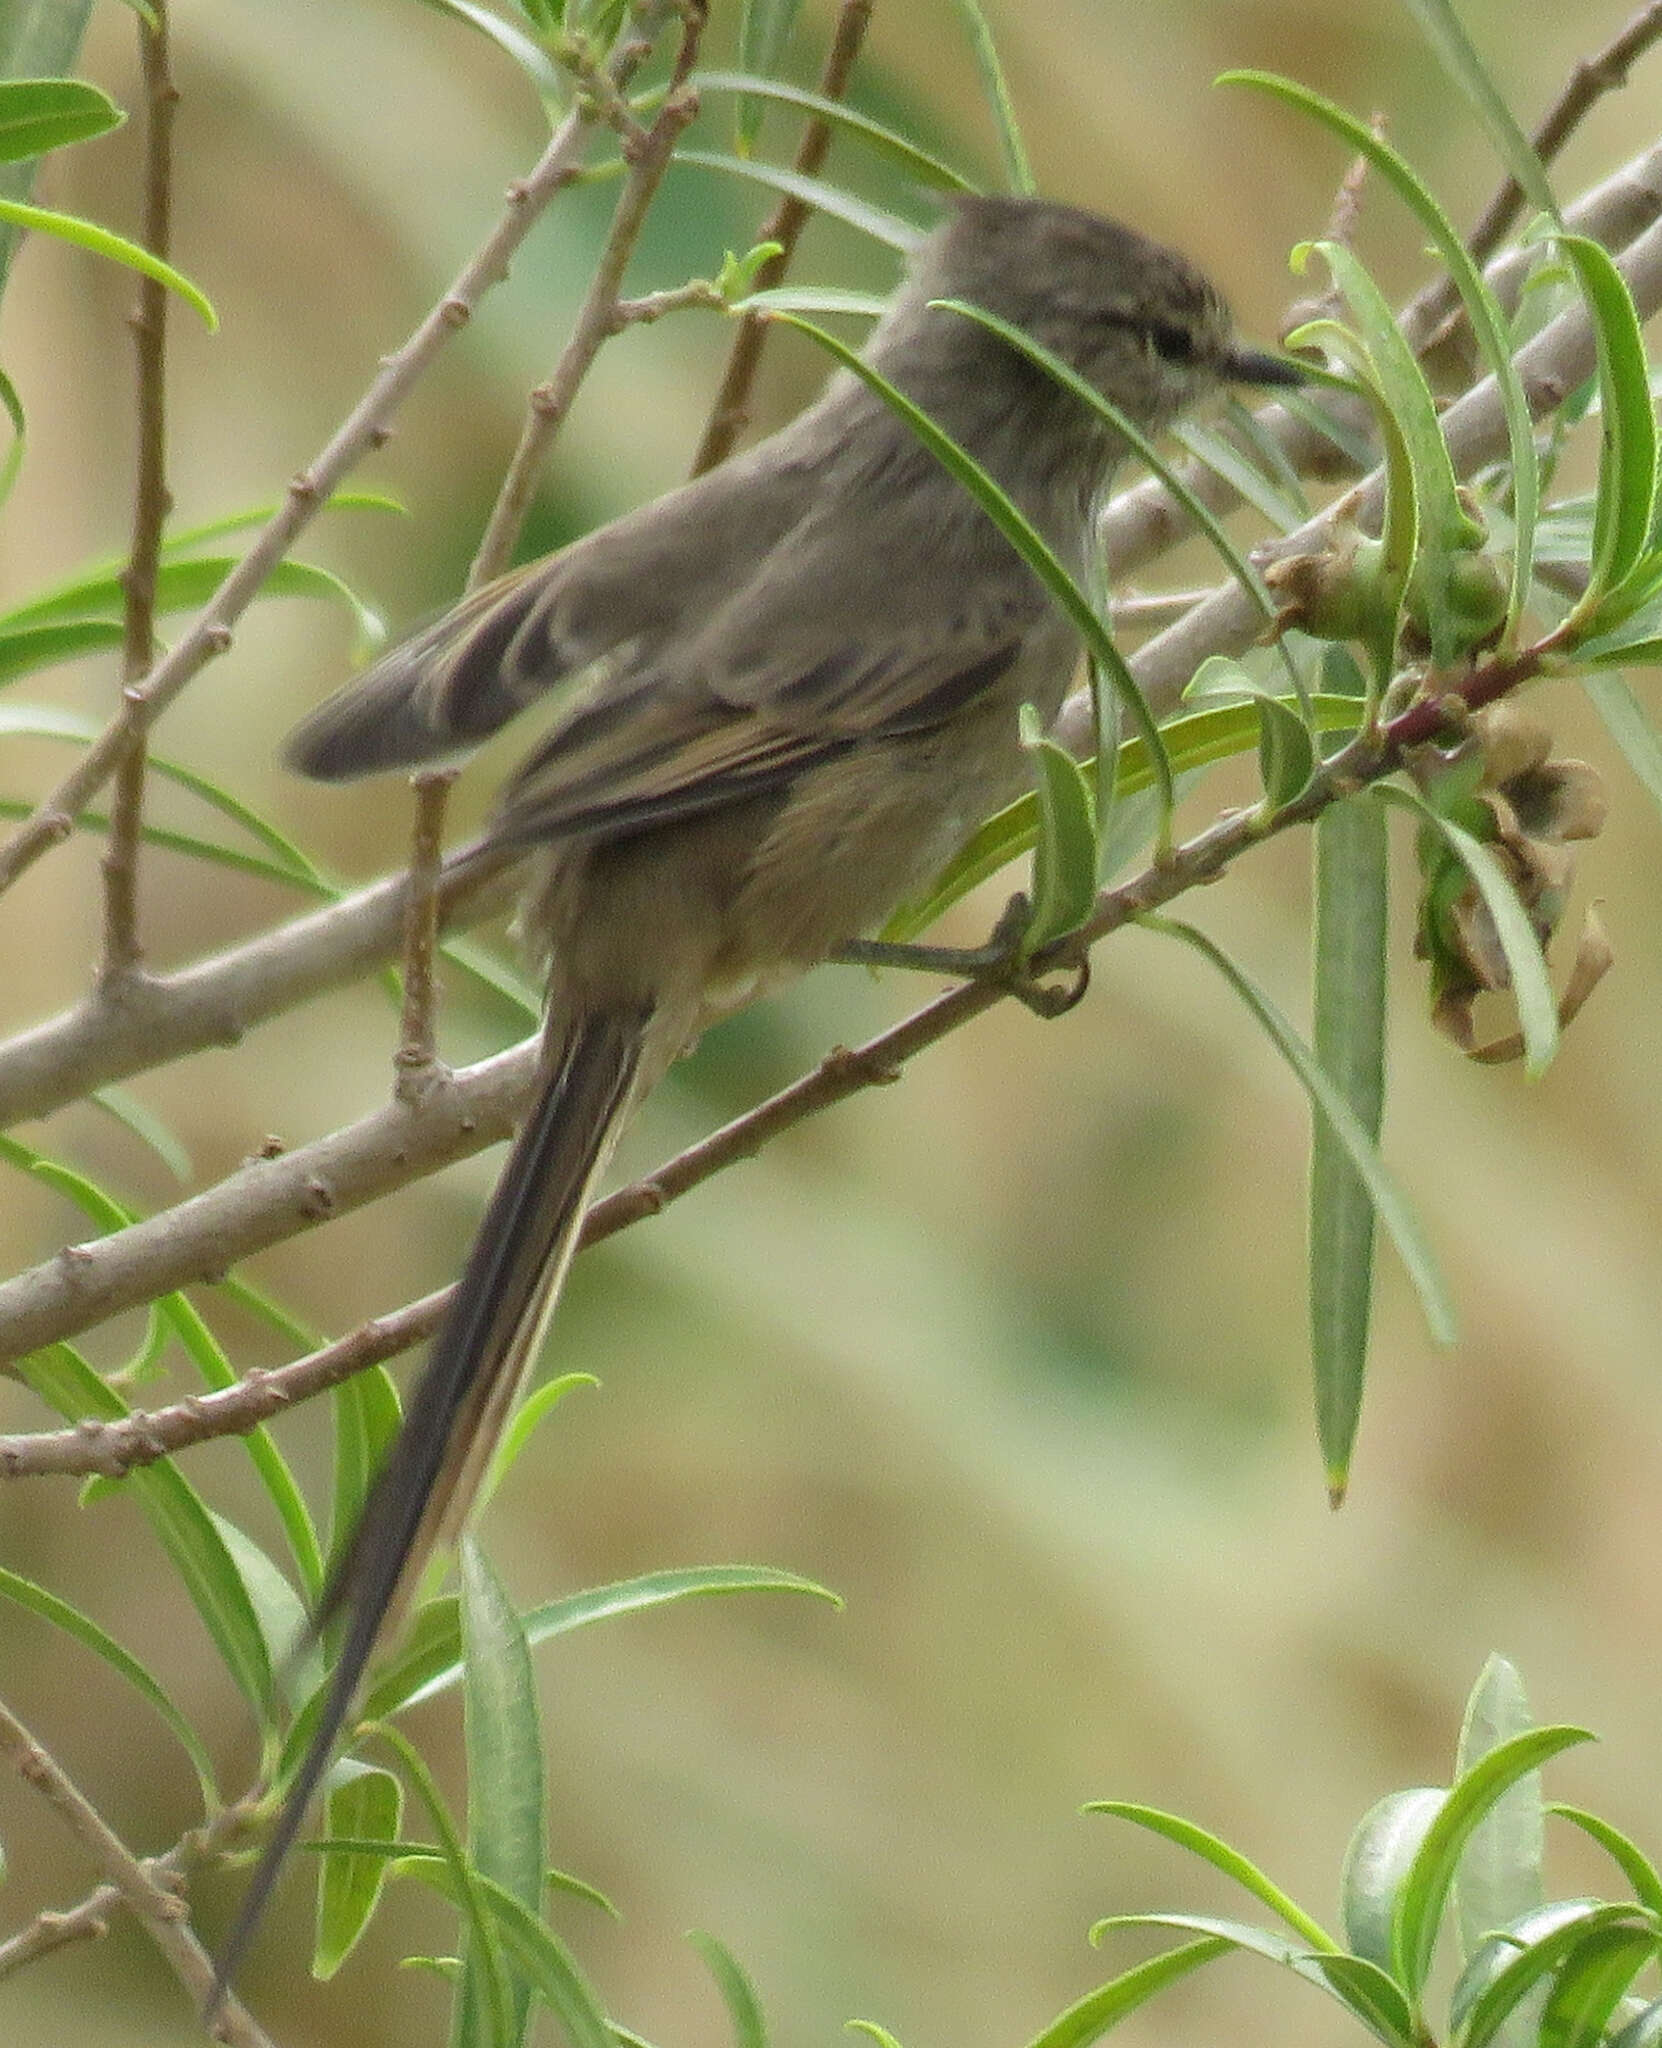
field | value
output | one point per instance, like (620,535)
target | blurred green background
(1011,1355)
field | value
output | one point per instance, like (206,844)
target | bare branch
(151,502)
(364,428)
(143,1887)
(649,154)
(730,415)
(415,1062)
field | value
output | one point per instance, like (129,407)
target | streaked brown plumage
(780,697)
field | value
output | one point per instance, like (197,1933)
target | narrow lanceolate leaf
(1018,172)
(1201,1842)
(1531,988)
(1378,1858)
(1592,1982)
(38,114)
(84,1630)
(1500,1873)
(1442,29)
(915,162)
(367,1415)
(1064,859)
(1349,1003)
(365,1803)
(764,30)
(1393,1211)
(180,1518)
(1091,2016)
(1624,509)
(738,1994)
(1501,1988)
(1425,1890)
(887,228)
(1489,324)
(505,1802)
(1286,753)
(1028,542)
(548,79)
(86,234)
(27,649)
(1629,1858)
(1628,723)
(431,1663)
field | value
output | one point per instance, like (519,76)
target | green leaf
(738,1994)
(523,1426)
(1064,858)
(1426,1887)
(1500,1872)
(1199,1841)
(366,1415)
(886,228)
(1531,988)
(1592,1982)
(12,406)
(916,163)
(1018,172)
(1634,1865)
(1191,744)
(1025,538)
(32,648)
(1516,1961)
(1393,1211)
(1378,1858)
(83,1630)
(38,114)
(186,585)
(1286,756)
(86,234)
(432,1661)
(1626,500)
(1273,496)
(505,1793)
(1489,324)
(1092,2016)
(531,58)
(764,30)
(367,1803)
(185,1528)
(1363,1990)
(1453,48)
(797,298)
(1349,1002)
(466,1886)
(35,42)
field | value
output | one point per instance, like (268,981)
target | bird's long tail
(462,1399)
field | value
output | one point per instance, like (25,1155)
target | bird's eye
(1172,344)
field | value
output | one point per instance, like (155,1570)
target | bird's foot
(999,961)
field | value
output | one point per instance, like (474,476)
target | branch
(151,502)
(648,154)
(364,428)
(142,1886)
(729,415)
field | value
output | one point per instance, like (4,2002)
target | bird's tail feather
(461,1401)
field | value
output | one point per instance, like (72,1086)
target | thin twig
(151,502)
(364,428)
(649,155)
(88,1919)
(159,1909)
(1589,81)
(730,414)
(415,1061)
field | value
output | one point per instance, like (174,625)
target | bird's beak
(1257,366)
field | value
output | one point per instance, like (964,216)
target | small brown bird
(781,697)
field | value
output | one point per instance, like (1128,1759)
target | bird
(778,699)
